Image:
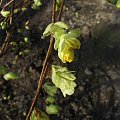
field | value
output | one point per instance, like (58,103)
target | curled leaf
(52,109)
(58,3)
(10,76)
(75,33)
(63,79)
(73,43)
(47,30)
(61,24)
(50,100)
(66,46)
(5,13)
(66,55)
(3,25)
(38,115)
(50,89)
(16,10)
(118,4)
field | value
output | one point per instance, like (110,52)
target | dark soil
(97,64)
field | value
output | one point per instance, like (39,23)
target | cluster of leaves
(65,42)
(6,13)
(51,90)
(36,4)
(115,2)
(62,78)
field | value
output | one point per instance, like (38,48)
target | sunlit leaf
(47,30)
(23,9)
(57,35)
(55,29)
(10,76)
(62,25)
(50,89)
(58,3)
(73,43)
(63,79)
(75,33)
(66,46)
(52,109)
(35,7)
(118,4)
(16,10)
(37,2)
(3,70)
(66,55)
(38,115)
(3,25)
(5,13)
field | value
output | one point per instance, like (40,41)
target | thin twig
(5,45)
(7,4)
(45,67)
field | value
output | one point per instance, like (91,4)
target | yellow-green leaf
(47,30)
(63,79)
(10,76)
(5,13)
(50,89)
(38,115)
(75,33)
(73,43)
(66,55)
(118,4)
(52,109)
(62,24)
(50,100)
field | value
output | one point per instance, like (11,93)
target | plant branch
(45,66)
(8,36)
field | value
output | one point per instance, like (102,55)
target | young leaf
(50,89)
(63,79)
(37,2)
(3,70)
(47,30)
(10,76)
(5,13)
(52,109)
(61,24)
(23,9)
(3,25)
(73,43)
(75,33)
(57,33)
(118,4)
(56,29)
(50,100)
(38,115)
(58,3)
(66,55)
(16,10)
